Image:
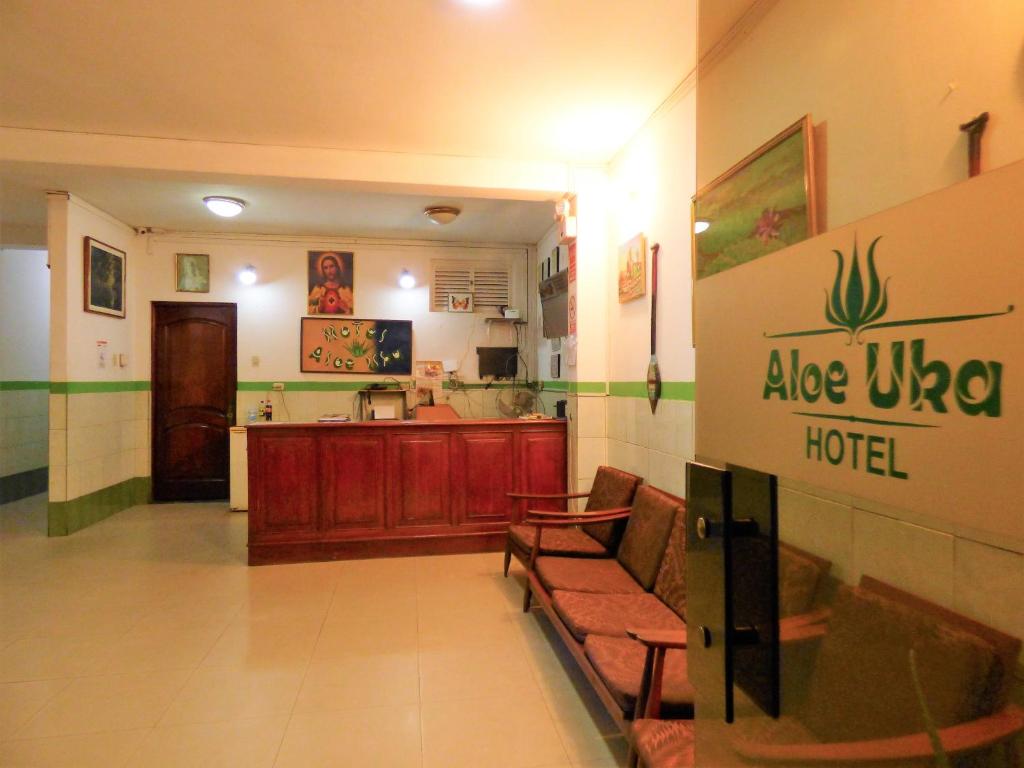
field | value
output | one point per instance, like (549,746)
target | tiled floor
(146,641)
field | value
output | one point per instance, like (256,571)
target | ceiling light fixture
(247,276)
(441,214)
(224,206)
(406,280)
(700,226)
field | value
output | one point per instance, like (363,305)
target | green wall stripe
(303,386)
(576,387)
(86,387)
(670,390)
(13,385)
(64,517)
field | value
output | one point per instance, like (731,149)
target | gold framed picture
(105,271)
(192,272)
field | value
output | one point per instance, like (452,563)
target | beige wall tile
(913,558)
(628,457)
(591,416)
(142,462)
(592,454)
(58,411)
(820,527)
(667,472)
(58,484)
(988,585)
(619,411)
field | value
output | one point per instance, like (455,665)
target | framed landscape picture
(762,204)
(192,272)
(104,274)
(633,269)
(344,345)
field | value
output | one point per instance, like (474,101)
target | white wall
(98,439)
(875,78)
(24,315)
(24,359)
(652,180)
(269,312)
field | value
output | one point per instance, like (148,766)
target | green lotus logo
(851,310)
(854,310)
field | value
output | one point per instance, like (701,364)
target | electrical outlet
(277,386)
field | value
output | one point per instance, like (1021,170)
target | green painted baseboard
(23,484)
(65,517)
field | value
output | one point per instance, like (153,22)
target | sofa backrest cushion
(670,586)
(862,687)
(799,576)
(612,489)
(647,532)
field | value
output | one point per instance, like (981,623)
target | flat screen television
(554,305)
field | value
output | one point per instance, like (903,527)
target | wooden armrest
(659,638)
(956,740)
(541,519)
(548,495)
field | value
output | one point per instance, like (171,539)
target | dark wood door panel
(194,383)
(420,480)
(542,466)
(353,482)
(285,485)
(484,467)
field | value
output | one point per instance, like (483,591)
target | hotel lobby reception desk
(373,489)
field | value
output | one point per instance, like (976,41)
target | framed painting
(105,270)
(762,204)
(330,287)
(328,345)
(633,269)
(192,272)
(460,302)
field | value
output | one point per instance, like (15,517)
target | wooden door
(194,383)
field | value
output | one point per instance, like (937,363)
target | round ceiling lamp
(406,280)
(441,214)
(224,206)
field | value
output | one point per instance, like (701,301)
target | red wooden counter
(383,488)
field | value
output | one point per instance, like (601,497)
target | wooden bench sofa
(623,618)
(861,706)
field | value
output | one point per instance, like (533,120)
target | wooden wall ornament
(653,373)
(974,129)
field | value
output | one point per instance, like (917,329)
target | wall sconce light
(700,226)
(247,276)
(224,206)
(441,214)
(406,280)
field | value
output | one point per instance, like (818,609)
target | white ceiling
(173,201)
(540,80)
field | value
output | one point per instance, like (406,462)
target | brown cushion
(577,574)
(612,489)
(647,532)
(586,613)
(798,582)
(862,688)
(670,585)
(664,743)
(619,662)
(568,542)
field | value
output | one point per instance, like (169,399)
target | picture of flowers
(633,269)
(343,345)
(761,205)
